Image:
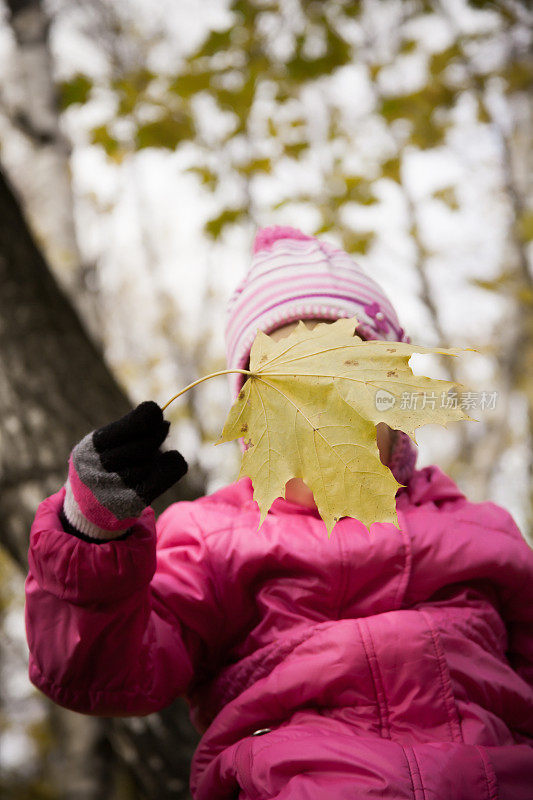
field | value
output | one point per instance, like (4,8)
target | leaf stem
(205,378)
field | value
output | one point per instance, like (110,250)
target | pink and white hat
(294,276)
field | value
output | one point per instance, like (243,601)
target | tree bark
(31,108)
(54,385)
(54,388)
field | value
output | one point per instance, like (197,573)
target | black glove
(118,470)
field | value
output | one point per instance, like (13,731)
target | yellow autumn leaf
(310,408)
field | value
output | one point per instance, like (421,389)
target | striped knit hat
(294,276)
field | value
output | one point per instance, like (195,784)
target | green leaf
(391,169)
(131,89)
(295,149)
(256,165)
(448,196)
(207,178)
(425,101)
(300,198)
(357,242)
(439,61)
(215,43)
(102,137)
(359,190)
(482,112)
(408,46)
(524,294)
(166,132)
(237,100)
(229,216)
(338,53)
(246,8)
(76,90)
(285,89)
(518,76)
(525,226)
(190,83)
(419,109)
(501,283)
(352,8)
(326,227)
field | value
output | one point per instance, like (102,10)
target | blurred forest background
(141,145)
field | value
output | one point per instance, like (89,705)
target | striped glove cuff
(117,471)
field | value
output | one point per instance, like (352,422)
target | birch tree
(54,388)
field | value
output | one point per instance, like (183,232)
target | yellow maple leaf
(310,408)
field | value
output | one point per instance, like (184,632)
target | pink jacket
(384,662)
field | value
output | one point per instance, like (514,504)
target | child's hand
(118,470)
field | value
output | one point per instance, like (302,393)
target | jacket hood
(427,485)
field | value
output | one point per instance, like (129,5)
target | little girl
(384,662)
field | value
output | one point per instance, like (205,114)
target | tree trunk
(54,388)
(31,107)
